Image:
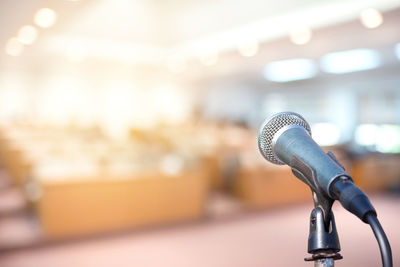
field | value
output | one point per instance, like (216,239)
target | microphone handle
(294,142)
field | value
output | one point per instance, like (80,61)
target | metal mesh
(271,126)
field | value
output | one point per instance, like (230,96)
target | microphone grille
(271,126)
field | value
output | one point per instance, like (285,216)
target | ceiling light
(388,139)
(397,50)
(290,70)
(350,61)
(300,35)
(365,134)
(27,34)
(371,18)
(326,134)
(248,48)
(14,47)
(45,17)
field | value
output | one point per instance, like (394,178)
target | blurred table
(79,185)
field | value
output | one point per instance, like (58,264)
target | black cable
(384,246)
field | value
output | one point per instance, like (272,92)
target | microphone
(285,138)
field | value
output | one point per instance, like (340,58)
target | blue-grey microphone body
(287,135)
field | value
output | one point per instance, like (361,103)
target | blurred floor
(18,228)
(269,238)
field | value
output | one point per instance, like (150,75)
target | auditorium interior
(128,129)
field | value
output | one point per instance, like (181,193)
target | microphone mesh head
(271,126)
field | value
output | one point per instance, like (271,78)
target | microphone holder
(323,241)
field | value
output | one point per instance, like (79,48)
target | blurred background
(128,128)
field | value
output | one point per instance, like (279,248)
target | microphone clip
(323,243)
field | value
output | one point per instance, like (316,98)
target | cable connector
(352,198)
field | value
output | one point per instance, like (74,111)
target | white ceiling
(176,22)
(157,29)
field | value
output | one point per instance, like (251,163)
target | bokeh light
(14,47)
(371,18)
(325,134)
(350,61)
(45,17)
(290,70)
(248,48)
(300,35)
(27,35)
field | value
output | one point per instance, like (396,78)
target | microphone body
(294,142)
